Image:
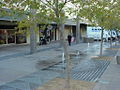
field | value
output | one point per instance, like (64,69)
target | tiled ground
(86,69)
(31,81)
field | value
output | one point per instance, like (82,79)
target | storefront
(48,33)
(9,35)
(51,32)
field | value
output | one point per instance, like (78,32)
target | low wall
(88,40)
(118,57)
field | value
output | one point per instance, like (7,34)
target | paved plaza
(21,71)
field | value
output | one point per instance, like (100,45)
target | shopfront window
(2,37)
(10,36)
(20,38)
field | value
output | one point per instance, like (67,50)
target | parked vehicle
(95,32)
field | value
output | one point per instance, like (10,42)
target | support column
(6,36)
(77,32)
(15,38)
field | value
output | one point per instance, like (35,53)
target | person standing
(69,39)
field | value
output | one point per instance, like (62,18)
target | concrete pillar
(6,36)
(15,38)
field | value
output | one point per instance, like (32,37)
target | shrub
(2,42)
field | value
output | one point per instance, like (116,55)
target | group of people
(44,40)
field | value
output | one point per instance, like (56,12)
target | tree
(35,12)
(113,19)
(30,13)
(105,16)
(56,8)
(97,12)
(77,11)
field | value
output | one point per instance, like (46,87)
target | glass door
(2,37)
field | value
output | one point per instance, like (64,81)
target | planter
(2,42)
(118,60)
(88,40)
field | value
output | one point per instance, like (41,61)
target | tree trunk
(117,36)
(110,38)
(32,40)
(60,43)
(101,44)
(33,25)
(77,32)
(67,58)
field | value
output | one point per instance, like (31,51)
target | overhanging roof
(71,22)
(14,17)
(17,17)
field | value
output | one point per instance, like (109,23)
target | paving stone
(32,80)
(103,58)
(19,84)
(5,87)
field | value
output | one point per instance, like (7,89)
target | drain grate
(103,58)
(91,74)
(90,70)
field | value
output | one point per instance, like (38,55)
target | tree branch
(47,4)
(66,1)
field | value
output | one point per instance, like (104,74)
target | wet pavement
(22,50)
(20,72)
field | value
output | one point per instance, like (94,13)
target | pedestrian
(69,39)
(72,39)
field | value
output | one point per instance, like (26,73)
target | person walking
(69,39)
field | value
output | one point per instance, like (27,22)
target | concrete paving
(13,65)
(16,63)
(110,80)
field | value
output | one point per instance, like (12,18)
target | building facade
(10,35)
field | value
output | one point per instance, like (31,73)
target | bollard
(118,60)
(77,55)
(88,44)
(63,59)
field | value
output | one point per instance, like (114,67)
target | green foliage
(104,13)
(34,11)
(27,13)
